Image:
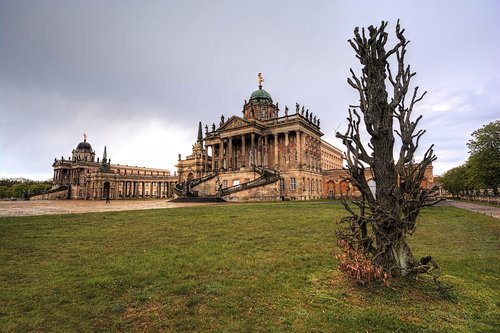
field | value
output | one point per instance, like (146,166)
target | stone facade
(82,177)
(289,144)
(225,158)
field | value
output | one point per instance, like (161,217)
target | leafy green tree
(39,187)
(455,180)
(19,190)
(5,191)
(484,159)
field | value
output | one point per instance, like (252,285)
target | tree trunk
(394,207)
(395,257)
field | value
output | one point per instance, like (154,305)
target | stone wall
(51,195)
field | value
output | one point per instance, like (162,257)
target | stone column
(230,151)
(243,151)
(259,150)
(206,160)
(252,149)
(275,151)
(287,155)
(221,154)
(298,147)
(265,163)
(213,158)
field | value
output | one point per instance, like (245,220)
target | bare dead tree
(383,220)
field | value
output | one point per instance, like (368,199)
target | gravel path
(482,209)
(46,207)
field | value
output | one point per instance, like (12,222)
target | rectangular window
(293,184)
(282,184)
(224,183)
(236,182)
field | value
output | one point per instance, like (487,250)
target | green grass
(235,268)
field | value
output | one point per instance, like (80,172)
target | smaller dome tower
(260,106)
(83,151)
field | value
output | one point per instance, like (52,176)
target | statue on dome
(260,79)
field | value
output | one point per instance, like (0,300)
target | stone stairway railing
(185,189)
(268,176)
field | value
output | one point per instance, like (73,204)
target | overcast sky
(137,76)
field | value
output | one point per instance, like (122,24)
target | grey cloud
(72,66)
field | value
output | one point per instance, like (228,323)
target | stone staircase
(185,189)
(268,176)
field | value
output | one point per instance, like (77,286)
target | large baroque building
(261,155)
(81,176)
(266,155)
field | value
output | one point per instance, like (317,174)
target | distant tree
(5,191)
(39,188)
(484,160)
(456,180)
(19,190)
(380,225)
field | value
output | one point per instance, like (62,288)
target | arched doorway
(331,189)
(106,191)
(344,188)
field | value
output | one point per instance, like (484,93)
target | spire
(84,137)
(105,155)
(200,135)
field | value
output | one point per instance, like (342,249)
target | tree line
(480,174)
(22,187)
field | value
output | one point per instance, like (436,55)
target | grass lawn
(235,268)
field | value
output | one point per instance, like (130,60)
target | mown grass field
(235,268)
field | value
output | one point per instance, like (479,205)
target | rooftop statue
(260,79)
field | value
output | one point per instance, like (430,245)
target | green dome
(260,95)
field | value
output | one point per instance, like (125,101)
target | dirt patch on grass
(48,207)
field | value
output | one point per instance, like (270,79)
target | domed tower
(260,106)
(83,151)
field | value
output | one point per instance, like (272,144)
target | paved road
(482,209)
(46,207)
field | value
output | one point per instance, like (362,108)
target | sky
(138,76)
